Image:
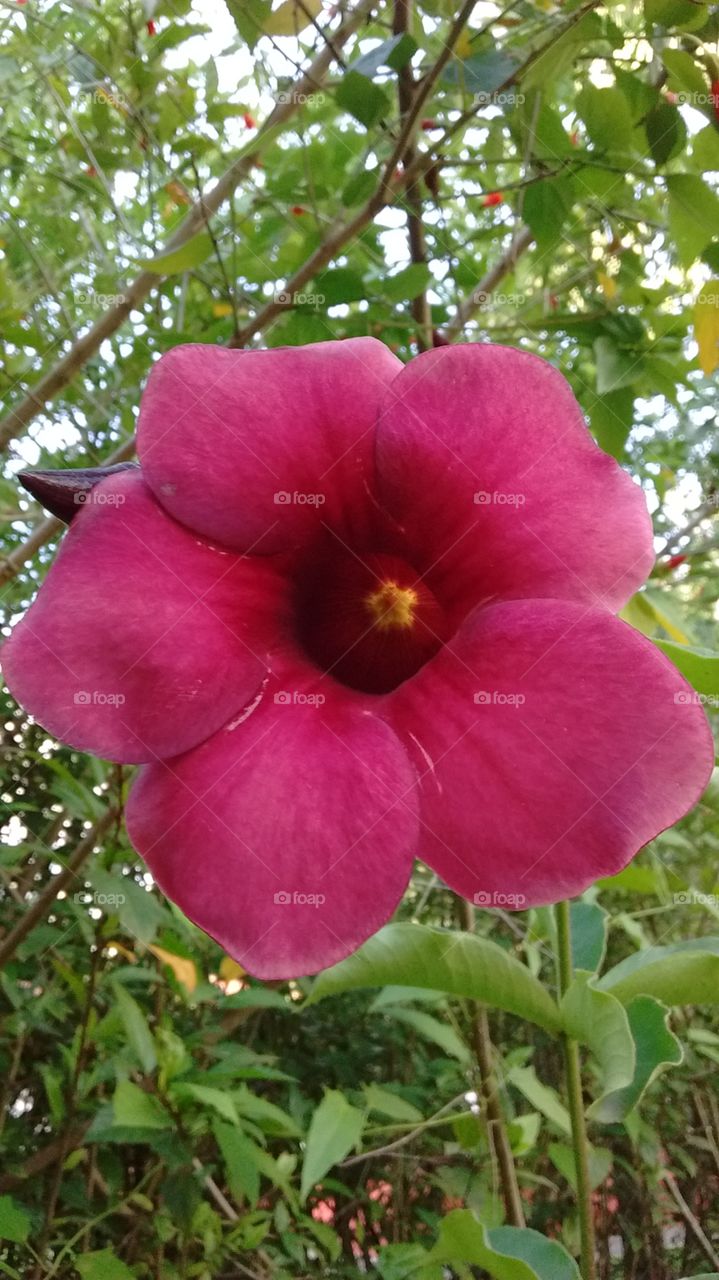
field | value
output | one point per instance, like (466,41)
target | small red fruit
(297,210)
(427,125)
(714,96)
(494,197)
(151,28)
(249,120)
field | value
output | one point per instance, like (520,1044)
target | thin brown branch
(415,227)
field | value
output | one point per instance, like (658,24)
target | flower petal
(484,456)
(256,448)
(143,640)
(288,838)
(554,741)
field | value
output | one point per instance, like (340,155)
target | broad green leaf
(605,114)
(102,1264)
(432,1029)
(589,924)
(693,215)
(14,1221)
(612,417)
(191,254)
(407,1262)
(406,284)
(682,973)
(599,1021)
(459,964)
(137,1028)
(207,1096)
(684,73)
(541,1096)
(666,132)
(562,1157)
(135,1109)
(616,367)
(656,1048)
(505,1253)
(362,98)
(270,1118)
(700,668)
(481,73)
(395,52)
(705,148)
(386,1103)
(240,1156)
(335,1128)
(547,205)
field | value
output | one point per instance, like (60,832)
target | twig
(415,226)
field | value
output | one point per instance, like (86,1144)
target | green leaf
(215,1099)
(505,1253)
(135,1109)
(482,73)
(459,964)
(432,1029)
(387,1103)
(606,116)
(598,1020)
(682,973)
(191,254)
(547,205)
(102,1265)
(698,666)
(666,132)
(335,1128)
(240,1156)
(541,1096)
(612,418)
(693,215)
(14,1221)
(562,1157)
(684,73)
(407,1262)
(137,1028)
(615,367)
(656,1048)
(589,935)
(705,148)
(406,284)
(362,98)
(395,53)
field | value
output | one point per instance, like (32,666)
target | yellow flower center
(392,606)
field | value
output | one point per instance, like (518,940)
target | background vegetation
(542,174)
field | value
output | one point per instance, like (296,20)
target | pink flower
(348,613)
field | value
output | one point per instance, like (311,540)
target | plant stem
(573,1076)
(496,1131)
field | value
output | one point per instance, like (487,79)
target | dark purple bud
(64,492)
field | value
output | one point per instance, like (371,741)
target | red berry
(574,138)
(714,96)
(151,28)
(297,210)
(428,124)
(494,197)
(674,561)
(249,120)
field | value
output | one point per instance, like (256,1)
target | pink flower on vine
(348,613)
